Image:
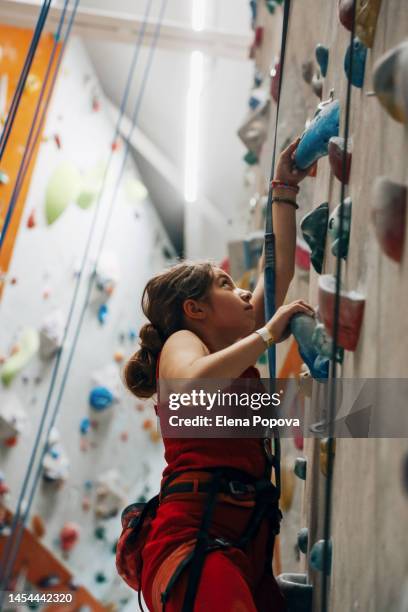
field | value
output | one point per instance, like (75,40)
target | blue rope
(270,259)
(336,317)
(16,526)
(23,76)
(34,134)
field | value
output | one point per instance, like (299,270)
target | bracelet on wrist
(266,336)
(282,185)
(285,201)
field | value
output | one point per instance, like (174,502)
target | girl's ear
(194,309)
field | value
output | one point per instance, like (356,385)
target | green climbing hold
(300,467)
(63,188)
(302,539)
(100,532)
(100,578)
(317,556)
(27,347)
(250,158)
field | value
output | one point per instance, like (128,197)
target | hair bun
(150,339)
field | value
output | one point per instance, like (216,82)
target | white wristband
(266,336)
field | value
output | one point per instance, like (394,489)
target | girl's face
(230,308)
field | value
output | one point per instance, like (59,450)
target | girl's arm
(184,355)
(284,228)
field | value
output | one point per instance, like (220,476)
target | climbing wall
(369,503)
(105,451)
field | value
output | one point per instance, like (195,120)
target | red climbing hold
(69,536)
(336,155)
(389,215)
(31,222)
(275,80)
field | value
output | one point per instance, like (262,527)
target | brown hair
(162,304)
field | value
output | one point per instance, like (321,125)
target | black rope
(335,346)
(23,76)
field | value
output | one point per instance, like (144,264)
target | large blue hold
(315,140)
(100,398)
(302,327)
(359,61)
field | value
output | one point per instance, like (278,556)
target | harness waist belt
(234,487)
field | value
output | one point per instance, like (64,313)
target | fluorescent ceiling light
(198,15)
(193,126)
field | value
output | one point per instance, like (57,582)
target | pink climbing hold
(389,215)
(302,256)
(336,155)
(69,536)
(351,312)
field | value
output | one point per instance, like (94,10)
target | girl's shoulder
(181,347)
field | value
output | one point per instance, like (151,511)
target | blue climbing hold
(356,71)
(302,539)
(85,426)
(300,467)
(253,7)
(322,58)
(317,556)
(303,327)
(103,314)
(100,398)
(132,335)
(314,230)
(340,242)
(315,140)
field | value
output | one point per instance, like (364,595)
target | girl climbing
(205,543)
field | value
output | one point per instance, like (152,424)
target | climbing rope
(270,260)
(23,76)
(39,115)
(335,346)
(12,545)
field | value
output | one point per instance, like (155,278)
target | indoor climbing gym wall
(103,451)
(355,141)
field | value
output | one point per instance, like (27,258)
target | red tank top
(245,454)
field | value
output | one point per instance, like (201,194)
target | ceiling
(162,115)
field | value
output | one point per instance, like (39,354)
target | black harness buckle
(239,488)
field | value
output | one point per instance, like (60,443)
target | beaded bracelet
(286,201)
(283,185)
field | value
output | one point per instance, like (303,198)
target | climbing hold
(275,80)
(155,436)
(302,327)
(63,188)
(118,356)
(351,312)
(307,69)
(300,467)
(253,131)
(272,5)
(302,539)
(258,39)
(51,334)
(250,158)
(124,436)
(356,71)
(38,526)
(100,398)
(32,84)
(84,426)
(388,215)
(12,418)
(147,424)
(103,312)
(133,332)
(57,140)
(298,594)
(96,105)
(259,97)
(324,344)
(302,255)
(287,487)
(69,536)
(322,57)
(252,249)
(324,454)
(258,78)
(4,178)
(31,222)
(100,577)
(115,146)
(336,156)
(110,495)
(317,556)
(390,79)
(340,243)
(314,230)
(317,85)
(91,184)
(27,347)
(4,489)
(315,140)
(305,381)
(107,274)
(86,504)
(367,12)
(55,464)
(49,581)
(100,532)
